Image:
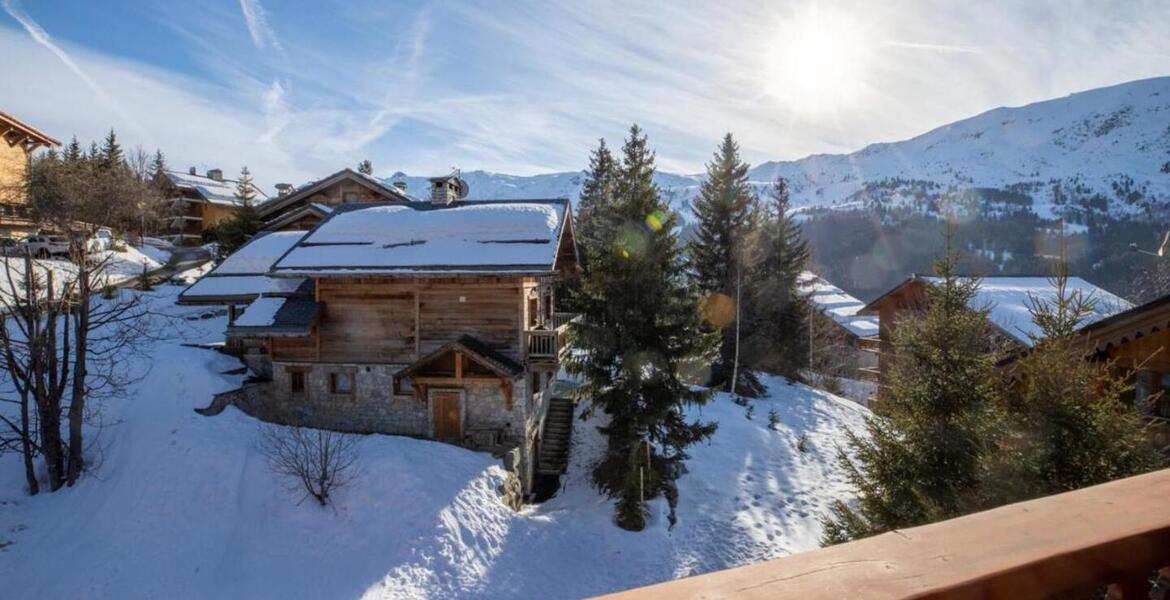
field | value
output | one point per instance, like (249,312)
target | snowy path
(183,506)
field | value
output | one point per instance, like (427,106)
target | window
(349,197)
(296,382)
(341,383)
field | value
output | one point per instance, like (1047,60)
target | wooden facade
(397,321)
(306,206)
(196,203)
(19,142)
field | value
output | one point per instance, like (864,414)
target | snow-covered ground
(117,267)
(183,506)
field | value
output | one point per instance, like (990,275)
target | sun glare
(817,61)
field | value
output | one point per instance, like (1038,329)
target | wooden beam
(452,381)
(417,337)
(1085,539)
(458,367)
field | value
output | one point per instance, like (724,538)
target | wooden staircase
(554,441)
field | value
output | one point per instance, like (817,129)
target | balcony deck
(1116,534)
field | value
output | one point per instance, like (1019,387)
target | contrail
(40,36)
(257,21)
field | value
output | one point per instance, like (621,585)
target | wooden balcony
(542,345)
(1115,536)
(561,319)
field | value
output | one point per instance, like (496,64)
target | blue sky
(297,90)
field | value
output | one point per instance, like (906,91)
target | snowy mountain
(1106,149)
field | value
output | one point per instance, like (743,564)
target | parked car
(46,246)
(102,239)
(11,247)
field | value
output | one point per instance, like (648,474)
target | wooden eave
(465,349)
(17,132)
(279,203)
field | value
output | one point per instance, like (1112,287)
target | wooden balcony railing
(1114,536)
(560,319)
(542,344)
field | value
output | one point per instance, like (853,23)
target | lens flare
(656,220)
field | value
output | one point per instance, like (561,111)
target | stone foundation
(490,422)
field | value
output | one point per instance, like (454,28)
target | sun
(817,61)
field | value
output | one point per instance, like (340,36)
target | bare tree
(315,461)
(64,346)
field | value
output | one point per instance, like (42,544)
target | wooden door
(446,415)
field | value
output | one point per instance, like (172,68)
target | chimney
(400,186)
(192,171)
(446,190)
(283,188)
(215,174)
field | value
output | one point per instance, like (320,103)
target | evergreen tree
(924,457)
(779,338)
(73,151)
(720,254)
(638,331)
(158,167)
(596,196)
(366,167)
(111,153)
(245,223)
(1071,424)
(94,155)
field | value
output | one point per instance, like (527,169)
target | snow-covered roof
(837,305)
(1008,300)
(269,209)
(261,312)
(496,236)
(244,275)
(215,191)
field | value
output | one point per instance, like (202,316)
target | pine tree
(94,155)
(111,153)
(245,223)
(720,253)
(779,338)
(158,167)
(1072,425)
(596,195)
(73,151)
(638,330)
(366,167)
(924,455)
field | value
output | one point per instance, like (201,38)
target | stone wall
(488,421)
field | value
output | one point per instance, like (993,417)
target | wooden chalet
(841,329)
(431,319)
(20,141)
(304,207)
(1006,298)
(196,203)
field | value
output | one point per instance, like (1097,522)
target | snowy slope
(1112,141)
(183,506)
(1108,141)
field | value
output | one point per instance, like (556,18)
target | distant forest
(867,252)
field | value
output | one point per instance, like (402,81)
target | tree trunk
(76,460)
(738,295)
(26,445)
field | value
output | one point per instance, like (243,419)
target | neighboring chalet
(304,207)
(424,318)
(1007,298)
(197,202)
(837,326)
(20,140)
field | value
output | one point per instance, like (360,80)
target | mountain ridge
(1106,149)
